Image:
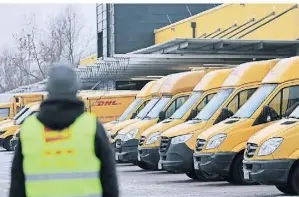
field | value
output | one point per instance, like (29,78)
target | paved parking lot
(135,182)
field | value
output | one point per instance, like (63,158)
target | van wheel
(142,165)
(192,175)
(287,189)
(295,180)
(237,171)
(207,177)
(7,145)
(229,179)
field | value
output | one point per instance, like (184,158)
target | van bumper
(268,172)
(178,158)
(214,163)
(150,156)
(126,151)
(14,142)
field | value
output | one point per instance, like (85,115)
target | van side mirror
(162,116)
(224,114)
(133,115)
(268,114)
(193,114)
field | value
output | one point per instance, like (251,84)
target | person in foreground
(63,151)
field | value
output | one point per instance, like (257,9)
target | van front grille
(250,150)
(141,140)
(200,144)
(164,145)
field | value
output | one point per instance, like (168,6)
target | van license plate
(246,175)
(159,166)
(196,166)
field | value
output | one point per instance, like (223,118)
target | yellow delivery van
(8,130)
(108,106)
(6,111)
(20,100)
(272,154)
(223,145)
(178,143)
(142,98)
(155,96)
(175,91)
(149,142)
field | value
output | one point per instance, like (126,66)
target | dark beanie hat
(62,83)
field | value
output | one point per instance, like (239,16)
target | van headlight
(269,146)
(215,141)
(153,138)
(130,135)
(181,138)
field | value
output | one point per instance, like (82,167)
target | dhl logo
(55,136)
(106,103)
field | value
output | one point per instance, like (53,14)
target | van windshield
(147,108)
(20,113)
(207,112)
(178,114)
(295,113)
(130,109)
(154,113)
(255,101)
(21,119)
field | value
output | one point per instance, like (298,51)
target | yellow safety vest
(61,163)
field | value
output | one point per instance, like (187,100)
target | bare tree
(36,50)
(69,27)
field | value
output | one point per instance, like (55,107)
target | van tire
(142,165)
(202,176)
(294,180)
(237,171)
(286,189)
(192,175)
(6,144)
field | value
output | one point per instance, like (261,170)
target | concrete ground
(135,182)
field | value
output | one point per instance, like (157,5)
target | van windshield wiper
(237,117)
(293,117)
(196,119)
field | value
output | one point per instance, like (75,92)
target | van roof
(30,93)
(155,91)
(251,72)
(35,107)
(115,94)
(213,80)
(182,82)
(284,70)
(146,90)
(32,104)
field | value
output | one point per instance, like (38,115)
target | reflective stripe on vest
(62,176)
(61,163)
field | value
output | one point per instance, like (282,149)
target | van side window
(4,112)
(142,106)
(204,102)
(276,103)
(285,99)
(175,105)
(240,99)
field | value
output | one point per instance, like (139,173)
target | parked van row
(105,105)
(237,124)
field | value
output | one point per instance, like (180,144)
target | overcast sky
(12,16)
